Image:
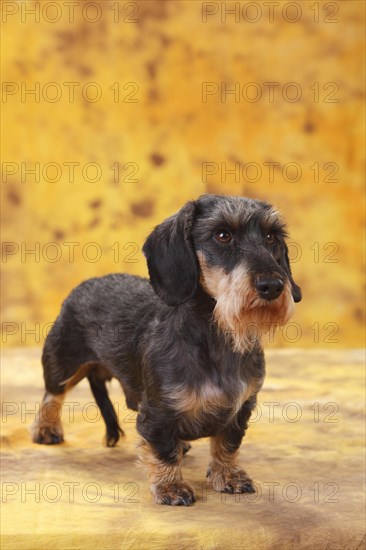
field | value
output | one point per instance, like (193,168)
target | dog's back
(109,310)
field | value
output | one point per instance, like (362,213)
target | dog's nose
(268,289)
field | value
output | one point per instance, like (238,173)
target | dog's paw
(112,437)
(186,446)
(47,435)
(111,440)
(179,493)
(236,481)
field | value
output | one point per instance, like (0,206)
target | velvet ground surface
(304,449)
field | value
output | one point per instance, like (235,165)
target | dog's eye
(223,237)
(270,238)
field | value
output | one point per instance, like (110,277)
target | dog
(185,346)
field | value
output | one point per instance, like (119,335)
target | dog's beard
(245,318)
(240,313)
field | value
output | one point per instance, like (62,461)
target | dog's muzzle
(268,288)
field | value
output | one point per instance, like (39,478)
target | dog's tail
(99,389)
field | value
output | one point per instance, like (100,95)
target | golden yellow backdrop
(116,113)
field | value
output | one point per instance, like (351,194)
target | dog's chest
(212,389)
(209,401)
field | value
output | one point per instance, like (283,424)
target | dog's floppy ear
(171,258)
(285,262)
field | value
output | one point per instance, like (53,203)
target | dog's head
(234,249)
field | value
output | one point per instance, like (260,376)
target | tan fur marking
(82,371)
(158,471)
(220,456)
(193,402)
(240,313)
(209,399)
(166,483)
(48,422)
(224,470)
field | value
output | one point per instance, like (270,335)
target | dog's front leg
(224,471)
(161,451)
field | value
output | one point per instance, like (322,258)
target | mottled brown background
(167,135)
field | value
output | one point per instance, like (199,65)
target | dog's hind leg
(47,428)
(97,380)
(64,365)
